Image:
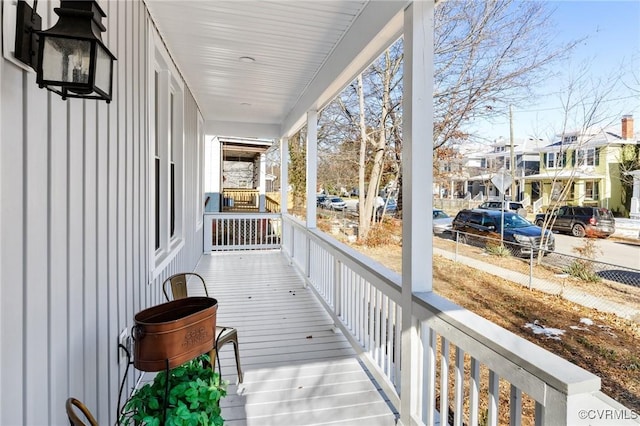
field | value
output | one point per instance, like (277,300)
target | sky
(611,47)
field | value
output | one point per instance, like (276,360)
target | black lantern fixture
(71,59)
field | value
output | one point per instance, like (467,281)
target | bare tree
(488,55)
(630,157)
(297,169)
(584,119)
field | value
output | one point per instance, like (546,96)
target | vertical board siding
(110,37)
(89,329)
(35,233)
(58,280)
(104,347)
(74,218)
(12,246)
(75,249)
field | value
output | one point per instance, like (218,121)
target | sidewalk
(627,228)
(565,291)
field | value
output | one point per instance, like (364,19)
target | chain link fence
(609,288)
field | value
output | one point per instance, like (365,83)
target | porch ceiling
(305,52)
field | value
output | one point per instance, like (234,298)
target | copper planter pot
(176,331)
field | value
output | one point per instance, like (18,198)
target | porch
(298,369)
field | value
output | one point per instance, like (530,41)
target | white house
(100,202)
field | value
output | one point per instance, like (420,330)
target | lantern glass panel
(66,60)
(103,70)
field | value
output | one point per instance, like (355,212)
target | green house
(585,168)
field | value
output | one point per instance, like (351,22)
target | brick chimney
(627,127)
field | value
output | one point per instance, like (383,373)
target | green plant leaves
(194,397)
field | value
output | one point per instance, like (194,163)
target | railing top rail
(442,314)
(235,215)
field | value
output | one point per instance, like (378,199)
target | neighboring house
(453,172)
(481,164)
(583,168)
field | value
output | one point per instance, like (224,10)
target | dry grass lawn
(608,348)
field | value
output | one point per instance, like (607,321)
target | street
(614,252)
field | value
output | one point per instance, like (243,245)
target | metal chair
(74,419)
(224,335)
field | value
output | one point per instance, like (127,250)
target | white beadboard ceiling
(305,51)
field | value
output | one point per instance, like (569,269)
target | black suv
(580,221)
(520,235)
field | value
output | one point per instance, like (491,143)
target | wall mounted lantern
(69,58)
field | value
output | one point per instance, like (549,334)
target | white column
(417,164)
(263,183)
(284,174)
(312,167)
(635,198)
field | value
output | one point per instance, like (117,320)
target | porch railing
(271,205)
(506,376)
(248,231)
(537,205)
(238,197)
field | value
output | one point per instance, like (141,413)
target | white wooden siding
(74,217)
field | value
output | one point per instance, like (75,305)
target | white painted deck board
(297,370)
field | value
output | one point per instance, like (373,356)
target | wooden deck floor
(297,370)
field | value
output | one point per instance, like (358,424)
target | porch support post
(213,174)
(312,167)
(262,187)
(417,189)
(284,174)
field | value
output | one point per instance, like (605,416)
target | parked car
(511,206)
(483,226)
(580,221)
(320,198)
(334,203)
(390,206)
(441,222)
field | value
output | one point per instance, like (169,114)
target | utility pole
(512,165)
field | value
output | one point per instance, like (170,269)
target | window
(200,203)
(475,219)
(156,172)
(586,157)
(172,169)
(554,160)
(166,126)
(591,190)
(551,160)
